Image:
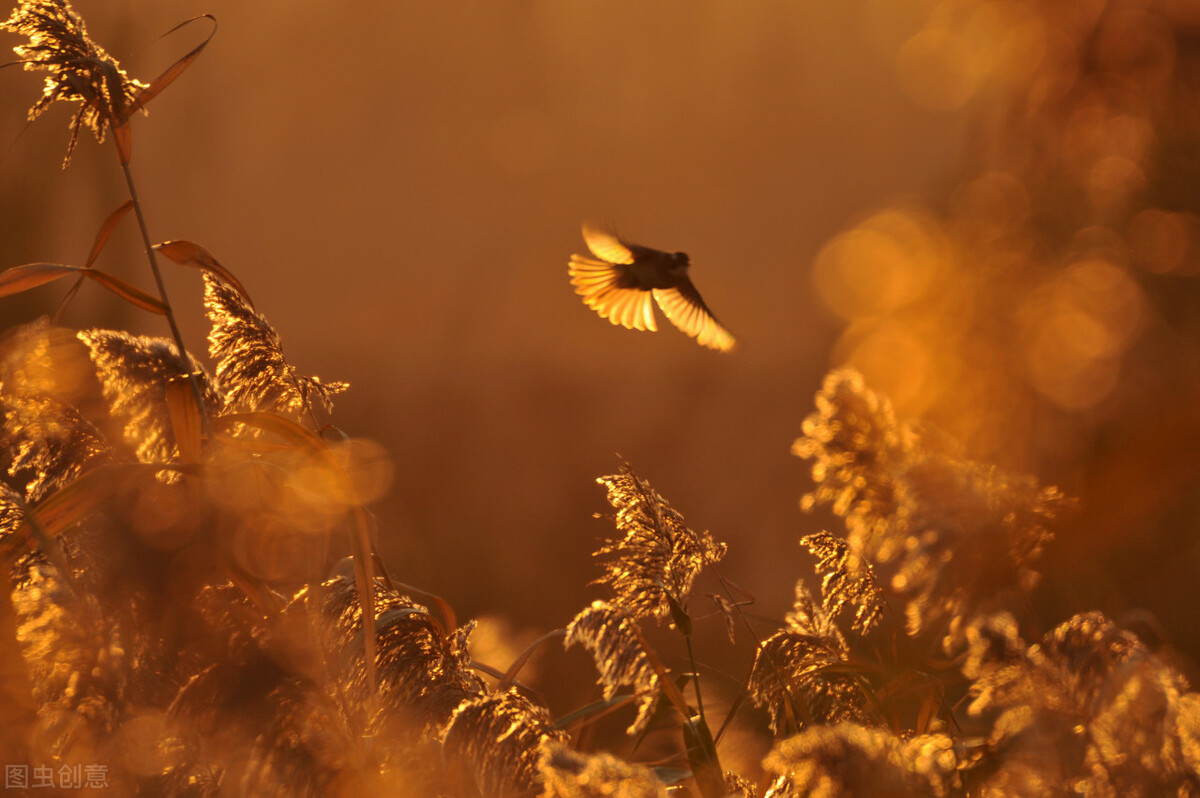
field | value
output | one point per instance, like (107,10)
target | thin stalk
(162,291)
(695,678)
(499,676)
(799,709)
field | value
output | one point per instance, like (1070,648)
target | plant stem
(801,709)
(695,677)
(162,294)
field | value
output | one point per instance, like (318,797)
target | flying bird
(622,277)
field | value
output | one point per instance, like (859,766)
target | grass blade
(511,674)
(175,70)
(448,615)
(594,711)
(126,291)
(185,417)
(72,503)
(702,756)
(31,275)
(188,253)
(106,231)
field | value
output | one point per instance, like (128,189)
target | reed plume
(77,69)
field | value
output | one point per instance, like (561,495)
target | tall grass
(178,616)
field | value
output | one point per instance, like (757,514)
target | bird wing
(607,246)
(685,309)
(603,287)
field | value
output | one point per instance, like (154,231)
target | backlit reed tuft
(658,558)
(795,675)
(497,739)
(950,536)
(611,634)
(571,774)
(134,372)
(251,368)
(1089,706)
(77,69)
(176,611)
(47,443)
(847,581)
(846,759)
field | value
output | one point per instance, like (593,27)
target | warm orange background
(400,185)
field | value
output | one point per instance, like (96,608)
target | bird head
(679,259)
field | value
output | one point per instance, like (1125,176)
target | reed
(176,615)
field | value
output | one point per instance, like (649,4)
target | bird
(619,281)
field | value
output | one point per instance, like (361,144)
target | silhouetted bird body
(622,278)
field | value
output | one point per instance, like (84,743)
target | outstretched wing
(607,246)
(604,288)
(685,309)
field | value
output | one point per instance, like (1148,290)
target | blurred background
(987,207)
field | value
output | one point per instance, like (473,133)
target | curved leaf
(448,616)
(102,236)
(595,710)
(74,502)
(126,291)
(510,675)
(31,275)
(175,70)
(189,253)
(702,756)
(106,231)
(186,417)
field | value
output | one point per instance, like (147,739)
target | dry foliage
(176,612)
(77,69)
(654,565)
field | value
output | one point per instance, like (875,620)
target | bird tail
(600,285)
